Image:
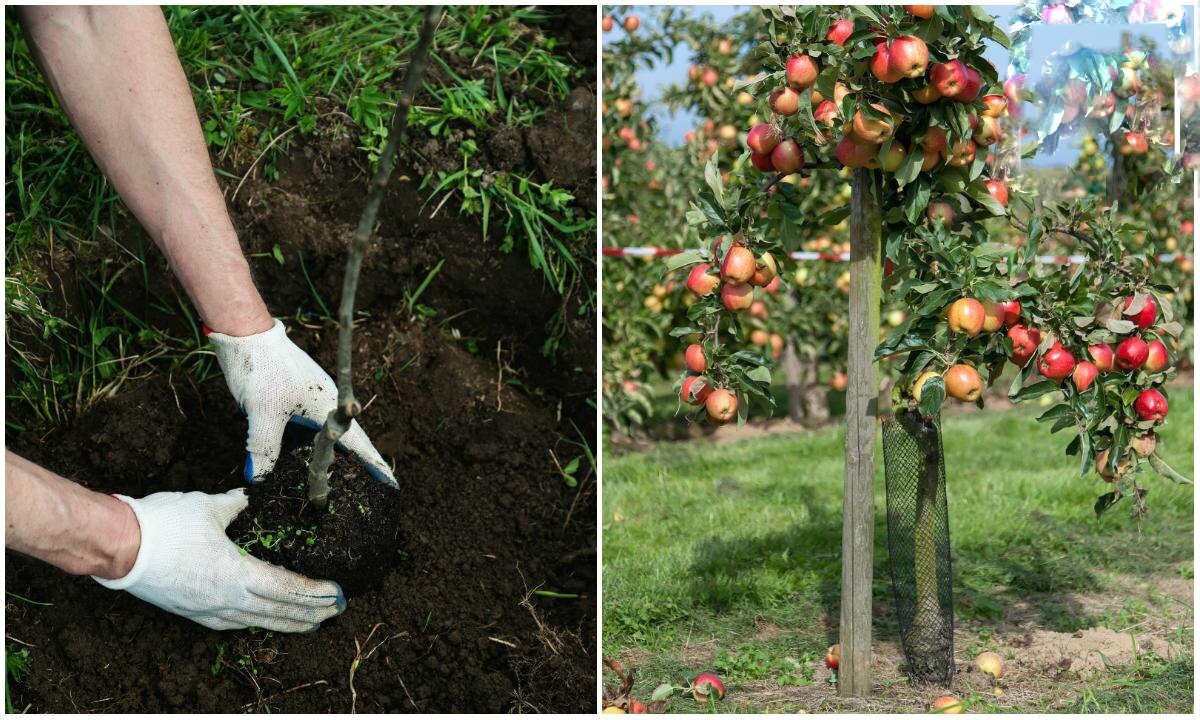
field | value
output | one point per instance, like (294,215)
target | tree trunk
(795,380)
(816,396)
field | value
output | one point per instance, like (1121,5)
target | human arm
(169,549)
(116,74)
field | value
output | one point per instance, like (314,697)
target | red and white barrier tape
(635,251)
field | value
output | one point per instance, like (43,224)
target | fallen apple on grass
(707,686)
(947,705)
(991,664)
(833,656)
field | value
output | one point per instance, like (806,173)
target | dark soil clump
(353,541)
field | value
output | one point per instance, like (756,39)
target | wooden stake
(858,498)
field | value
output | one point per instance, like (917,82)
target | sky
(1046,40)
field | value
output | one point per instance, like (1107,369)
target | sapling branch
(348,407)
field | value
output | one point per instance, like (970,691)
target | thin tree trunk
(794,380)
(348,407)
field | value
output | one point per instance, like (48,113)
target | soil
(474,416)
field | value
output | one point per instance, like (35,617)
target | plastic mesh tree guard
(919,544)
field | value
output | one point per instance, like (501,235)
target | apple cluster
(871,137)
(739,274)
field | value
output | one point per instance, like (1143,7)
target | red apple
(1151,405)
(922,11)
(1156,357)
(1132,353)
(966,315)
(1012,312)
(722,407)
(949,78)
(856,155)
(972,84)
(947,705)
(995,105)
(1025,343)
(607,23)
(826,113)
(934,139)
(707,685)
(694,358)
(962,154)
(701,282)
(738,265)
(709,77)
(737,296)
(763,138)
(881,65)
(695,390)
(632,23)
(1085,372)
(1056,363)
(801,71)
(963,383)
(998,190)
(987,132)
(1102,355)
(993,316)
(872,129)
(839,31)
(787,157)
(1145,317)
(785,101)
(762,162)
(940,212)
(908,56)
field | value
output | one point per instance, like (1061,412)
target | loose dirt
(475,417)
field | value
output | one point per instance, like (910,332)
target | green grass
(705,544)
(263,78)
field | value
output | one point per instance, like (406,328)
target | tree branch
(348,407)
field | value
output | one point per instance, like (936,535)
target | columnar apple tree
(899,92)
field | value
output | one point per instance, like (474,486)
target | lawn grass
(727,556)
(263,78)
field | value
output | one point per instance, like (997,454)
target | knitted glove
(186,565)
(275,382)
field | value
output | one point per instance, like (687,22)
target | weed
(16,668)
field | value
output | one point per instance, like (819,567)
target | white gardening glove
(186,565)
(275,382)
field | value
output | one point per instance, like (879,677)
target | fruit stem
(348,407)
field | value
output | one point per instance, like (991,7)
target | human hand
(275,382)
(186,565)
